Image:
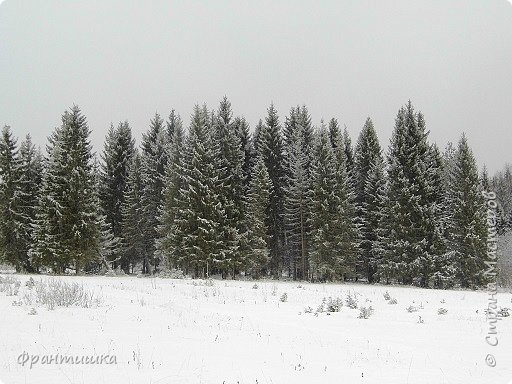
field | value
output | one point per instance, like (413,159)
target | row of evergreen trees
(289,199)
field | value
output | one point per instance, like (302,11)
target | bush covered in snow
(442,311)
(57,293)
(171,274)
(365,312)
(351,301)
(9,285)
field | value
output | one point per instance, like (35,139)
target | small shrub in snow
(351,301)
(255,286)
(284,297)
(442,311)
(393,301)
(420,320)
(17,303)
(30,283)
(57,293)
(12,290)
(321,308)
(333,305)
(204,283)
(9,285)
(412,309)
(274,290)
(387,296)
(308,310)
(32,311)
(365,312)
(171,274)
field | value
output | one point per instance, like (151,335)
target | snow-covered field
(193,331)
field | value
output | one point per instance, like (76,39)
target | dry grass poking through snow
(55,292)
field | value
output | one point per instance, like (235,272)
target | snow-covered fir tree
(109,245)
(349,154)
(468,225)
(154,160)
(257,138)
(174,183)
(333,253)
(257,202)
(31,173)
(269,144)
(132,224)
(242,130)
(335,135)
(12,218)
(348,241)
(197,231)
(440,271)
(369,185)
(297,156)
(173,122)
(501,183)
(116,158)
(297,204)
(67,233)
(372,211)
(409,215)
(230,158)
(485,182)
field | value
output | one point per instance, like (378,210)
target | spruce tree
(173,123)
(441,268)
(12,245)
(154,160)
(269,144)
(368,183)
(116,158)
(502,184)
(411,243)
(197,231)
(348,228)
(257,138)
(174,184)
(68,232)
(297,205)
(485,183)
(229,159)
(297,159)
(334,237)
(335,134)
(373,238)
(31,171)
(468,230)
(247,146)
(257,201)
(349,154)
(132,224)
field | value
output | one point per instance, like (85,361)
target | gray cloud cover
(348,59)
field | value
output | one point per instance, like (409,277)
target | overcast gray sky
(126,59)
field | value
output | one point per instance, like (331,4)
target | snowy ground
(184,331)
